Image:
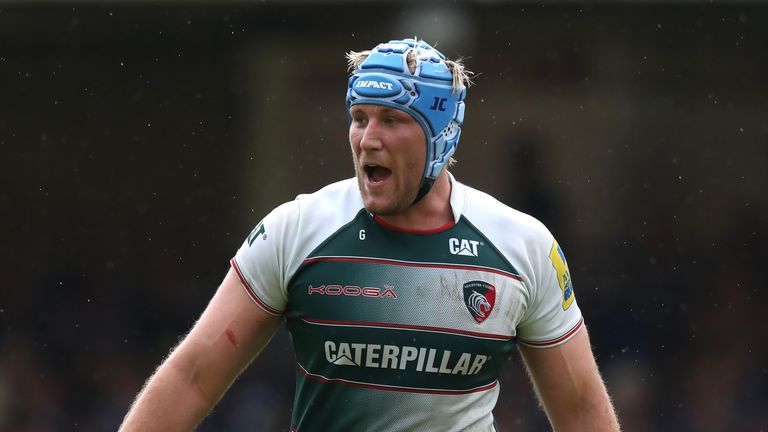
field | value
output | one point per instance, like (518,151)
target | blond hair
(461,75)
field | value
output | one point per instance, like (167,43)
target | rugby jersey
(396,330)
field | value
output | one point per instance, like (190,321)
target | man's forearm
(569,386)
(594,412)
(185,388)
(170,401)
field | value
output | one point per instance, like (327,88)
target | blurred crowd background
(141,141)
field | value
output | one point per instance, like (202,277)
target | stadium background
(141,141)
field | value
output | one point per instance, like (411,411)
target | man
(403,290)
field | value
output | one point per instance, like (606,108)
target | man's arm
(569,386)
(187,385)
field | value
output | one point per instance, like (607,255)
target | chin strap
(424,188)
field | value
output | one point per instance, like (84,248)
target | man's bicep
(569,385)
(228,335)
(233,322)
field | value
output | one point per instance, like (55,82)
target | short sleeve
(262,259)
(553,316)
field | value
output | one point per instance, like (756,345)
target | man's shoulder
(486,211)
(335,197)
(305,222)
(344,189)
(341,197)
(337,201)
(333,203)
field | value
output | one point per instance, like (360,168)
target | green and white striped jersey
(405,331)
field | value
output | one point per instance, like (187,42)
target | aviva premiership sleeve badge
(563,275)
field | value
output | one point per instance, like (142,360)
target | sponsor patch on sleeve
(258,231)
(563,275)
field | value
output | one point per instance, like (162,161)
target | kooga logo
(463,247)
(353,291)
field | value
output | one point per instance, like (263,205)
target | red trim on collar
(391,227)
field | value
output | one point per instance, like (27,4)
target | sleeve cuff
(557,341)
(251,293)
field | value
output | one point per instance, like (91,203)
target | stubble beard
(399,203)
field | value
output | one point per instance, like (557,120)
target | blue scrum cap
(427,94)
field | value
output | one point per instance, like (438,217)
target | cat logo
(563,275)
(463,247)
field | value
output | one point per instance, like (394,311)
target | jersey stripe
(557,341)
(251,293)
(321,378)
(412,264)
(409,327)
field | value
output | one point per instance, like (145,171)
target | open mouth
(376,173)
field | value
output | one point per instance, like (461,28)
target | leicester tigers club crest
(479,297)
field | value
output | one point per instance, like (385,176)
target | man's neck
(431,212)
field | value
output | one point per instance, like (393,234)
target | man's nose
(371,136)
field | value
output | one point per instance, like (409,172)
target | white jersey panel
(550,314)
(273,251)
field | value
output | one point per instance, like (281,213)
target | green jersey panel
(382,310)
